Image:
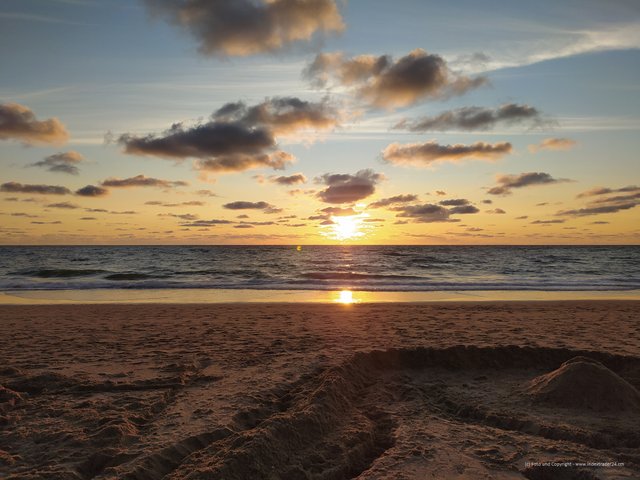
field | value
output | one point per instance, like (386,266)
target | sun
(346,227)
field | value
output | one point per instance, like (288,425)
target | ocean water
(374,268)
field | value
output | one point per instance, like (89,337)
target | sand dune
(320,391)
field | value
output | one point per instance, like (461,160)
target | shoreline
(339,296)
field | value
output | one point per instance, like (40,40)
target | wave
(356,276)
(59,273)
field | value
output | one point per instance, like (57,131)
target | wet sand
(320,391)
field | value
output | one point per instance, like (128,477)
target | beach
(320,391)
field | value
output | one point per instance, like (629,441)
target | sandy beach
(321,391)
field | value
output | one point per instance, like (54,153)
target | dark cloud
(237,137)
(347,188)
(427,213)
(475,118)
(522,217)
(20,123)
(242,205)
(385,202)
(248,27)
(294,179)
(553,144)
(384,82)
(142,181)
(430,213)
(191,203)
(205,141)
(497,211)
(207,223)
(508,182)
(15,187)
(487,201)
(613,204)
(455,202)
(243,225)
(64,205)
(464,210)
(425,154)
(92,191)
(546,222)
(281,115)
(605,190)
(239,163)
(63,162)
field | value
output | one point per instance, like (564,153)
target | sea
(365,268)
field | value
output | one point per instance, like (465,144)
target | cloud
(347,188)
(248,27)
(64,205)
(294,179)
(15,187)
(427,213)
(19,122)
(497,211)
(508,182)
(242,205)
(546,222)
(338,212)
(237,137)
(464,210)
(385,202)
(281,115)
(613,204)
(475,118)
(207,223)
(92,191)
(142,181)
(63,162)
(605,190)
(455,202)
(425,154)
(553,144)
(430,213)
(383,82)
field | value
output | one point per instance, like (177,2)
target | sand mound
(585,383)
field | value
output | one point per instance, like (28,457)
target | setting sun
(346,227)
(346,297)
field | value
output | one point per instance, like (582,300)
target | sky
(319,122)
